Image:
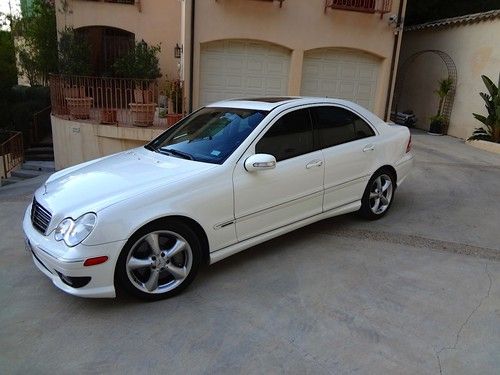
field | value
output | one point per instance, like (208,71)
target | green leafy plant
(141,62)
(491,129)
(439,120)
(8,76)
(74,53)
(38,44)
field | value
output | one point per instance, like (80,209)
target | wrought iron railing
(368,6)
(117,101)
(115,1)
(11,151)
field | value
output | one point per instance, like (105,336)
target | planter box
(143,114)
(486,145)
(79,108)
(173,118)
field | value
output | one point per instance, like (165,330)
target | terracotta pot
(108,116)
(142,114)
(173,118)
(79,108)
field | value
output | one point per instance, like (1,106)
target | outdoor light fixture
(177,51)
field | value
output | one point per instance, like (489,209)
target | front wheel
(159,261)
(378,196)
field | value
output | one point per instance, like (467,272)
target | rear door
(349,146)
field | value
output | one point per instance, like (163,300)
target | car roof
(271,102)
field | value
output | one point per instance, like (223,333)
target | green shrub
(140,62)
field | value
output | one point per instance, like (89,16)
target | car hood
(95,185)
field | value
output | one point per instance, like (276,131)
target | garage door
(232,68)
(340,74)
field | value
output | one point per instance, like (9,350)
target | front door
(270,199)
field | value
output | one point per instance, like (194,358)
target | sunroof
(268,99)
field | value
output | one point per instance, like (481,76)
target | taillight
(408,146)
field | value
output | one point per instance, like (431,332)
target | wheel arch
(389,169)
(193,224)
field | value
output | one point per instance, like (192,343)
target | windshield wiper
(183,155)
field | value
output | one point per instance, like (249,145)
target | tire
(159,261)
(376,202)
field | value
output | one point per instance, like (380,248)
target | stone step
(39,157)
(40,165)
(39,150)
(10,180)
(25,173)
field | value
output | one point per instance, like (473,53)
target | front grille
(40,217)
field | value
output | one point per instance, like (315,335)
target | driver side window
(288,137)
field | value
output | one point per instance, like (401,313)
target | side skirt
(240,246)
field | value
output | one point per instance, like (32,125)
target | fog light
(95,261)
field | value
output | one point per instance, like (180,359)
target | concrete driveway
(417,292)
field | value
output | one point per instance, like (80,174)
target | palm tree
(491,130)
(438,121)
(445,86)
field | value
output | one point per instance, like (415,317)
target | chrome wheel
(380,194)
(159,262)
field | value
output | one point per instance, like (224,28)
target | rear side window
(290,136)
(334,126)
(362,129)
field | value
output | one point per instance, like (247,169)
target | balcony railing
(11,151)
(116,101)
(115,1)
(367,6)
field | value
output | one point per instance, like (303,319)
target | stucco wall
(475,50)
(76,142)
(155,21)
(299,26)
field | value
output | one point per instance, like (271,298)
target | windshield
(209,135)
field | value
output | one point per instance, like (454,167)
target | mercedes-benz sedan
(227,177)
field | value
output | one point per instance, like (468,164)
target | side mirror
(259,162)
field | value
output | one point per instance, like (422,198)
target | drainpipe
(399,29)
(191,64)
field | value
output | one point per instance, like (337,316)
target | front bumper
(59,262)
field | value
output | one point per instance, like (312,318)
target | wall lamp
(178,51)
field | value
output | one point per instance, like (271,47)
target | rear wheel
(159,261)
(378,195)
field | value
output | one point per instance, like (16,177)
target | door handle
(368,148)
(314,163)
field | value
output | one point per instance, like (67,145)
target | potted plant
(142,65)
(491,130)
(438,122)
(74,60)
(174,93)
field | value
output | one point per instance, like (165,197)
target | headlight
(75,231)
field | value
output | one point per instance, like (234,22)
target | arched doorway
(451,71)
(107,44)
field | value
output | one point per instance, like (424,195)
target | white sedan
(229,176)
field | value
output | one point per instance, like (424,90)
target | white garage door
(236,68)
(337,73)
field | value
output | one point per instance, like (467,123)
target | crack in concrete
(459,332)
(416,241)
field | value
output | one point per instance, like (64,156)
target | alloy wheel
(159,262)
(380,194)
